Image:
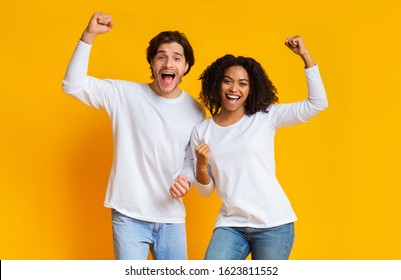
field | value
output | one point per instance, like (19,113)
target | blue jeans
(235,243)
(134,238)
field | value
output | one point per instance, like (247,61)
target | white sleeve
(188,169)
(205,190)
(89,90)
(302,111)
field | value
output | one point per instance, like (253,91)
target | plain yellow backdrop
(341,170)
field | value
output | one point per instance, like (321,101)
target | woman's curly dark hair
(262,92)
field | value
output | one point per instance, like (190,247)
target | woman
(235,153)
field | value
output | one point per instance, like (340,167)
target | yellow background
(341,170)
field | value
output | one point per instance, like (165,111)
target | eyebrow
(244,79)
(164,52)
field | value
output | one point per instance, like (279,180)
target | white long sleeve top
(151,140)
(242,165)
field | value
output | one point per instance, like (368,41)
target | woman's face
(234,89)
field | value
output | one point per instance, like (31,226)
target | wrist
(307,59)
(88,37)
(203,180)
(202,168)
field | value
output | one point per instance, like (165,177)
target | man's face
(168,68)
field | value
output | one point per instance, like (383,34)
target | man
(152,167)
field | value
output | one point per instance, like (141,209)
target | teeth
(167,76)
(233,96)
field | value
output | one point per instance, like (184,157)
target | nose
(169,62)
(233,88)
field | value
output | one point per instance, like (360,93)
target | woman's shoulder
(205,123)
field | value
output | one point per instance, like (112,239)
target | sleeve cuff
(205,190)
(312,69)
(83,44)
(209,185)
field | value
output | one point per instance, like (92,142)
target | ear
(186,67)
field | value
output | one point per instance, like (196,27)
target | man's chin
(168,90)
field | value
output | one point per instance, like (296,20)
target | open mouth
(232,98)
(168,78)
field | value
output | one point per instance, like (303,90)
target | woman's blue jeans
(134,238)
(236,243)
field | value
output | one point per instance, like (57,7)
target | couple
(163,145)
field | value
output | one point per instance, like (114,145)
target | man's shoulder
(131,86)
(131,83)
(194,102)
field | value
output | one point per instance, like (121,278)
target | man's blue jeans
(235,243)
(134,238)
